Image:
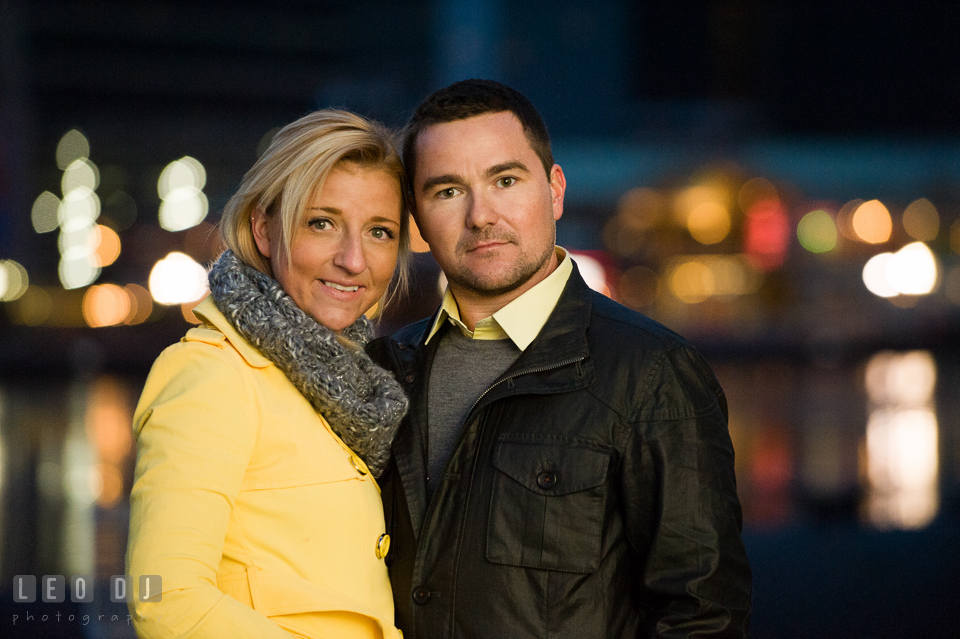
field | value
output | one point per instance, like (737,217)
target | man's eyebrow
(430,183)
(515,165)
(451,178)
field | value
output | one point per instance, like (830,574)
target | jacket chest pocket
(546,509)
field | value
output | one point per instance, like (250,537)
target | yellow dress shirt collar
(522,319)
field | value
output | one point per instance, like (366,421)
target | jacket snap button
(383,546)
(546,480)
(359,465)
(421,596)
(408,378)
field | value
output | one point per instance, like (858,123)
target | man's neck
(475,307)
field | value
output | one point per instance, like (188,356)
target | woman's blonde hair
(291,172)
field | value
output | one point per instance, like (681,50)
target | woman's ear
(260,225)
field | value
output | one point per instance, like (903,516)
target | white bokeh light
(177,279)
(13,280)
(875,276)
(913,270)
(183,203)
(81,173)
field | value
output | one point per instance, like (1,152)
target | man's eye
(446,194)
(506,181)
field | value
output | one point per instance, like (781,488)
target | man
(565,470)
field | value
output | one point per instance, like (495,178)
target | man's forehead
(492,129)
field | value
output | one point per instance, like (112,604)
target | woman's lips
(341,287)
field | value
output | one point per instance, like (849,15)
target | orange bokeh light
(108,246)
(105,305)
(872,222)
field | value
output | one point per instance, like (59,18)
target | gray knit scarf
(362,402)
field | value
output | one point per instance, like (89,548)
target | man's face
(485,205)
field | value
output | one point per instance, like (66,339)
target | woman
(257,434)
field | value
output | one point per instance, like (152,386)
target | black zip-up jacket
(591,492)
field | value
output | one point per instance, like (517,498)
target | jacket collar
(212,317)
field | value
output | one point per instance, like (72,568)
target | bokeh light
(902,465)
(767,234)
(639,287)
(13,280)
(875,276)
(872,222)
(817,232)
(906,379)
(709,223)
(141,304)
(77,272)
(921,220)
(902,439)
(183,202)
(693,197)
(45,213)
(913,269)
(845,219)
(79,208)
(177,279)
(692,281)
(82,173)
(71,147)
(910,271)
(107,248)
(105,305)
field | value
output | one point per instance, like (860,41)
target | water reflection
(837,441)
(901,444)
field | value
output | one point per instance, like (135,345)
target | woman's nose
(350,255)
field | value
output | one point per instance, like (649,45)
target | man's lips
(487,245)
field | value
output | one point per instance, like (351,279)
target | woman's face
(344,249)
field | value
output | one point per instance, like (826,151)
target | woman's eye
(319,224)
(381,233)
(506,181)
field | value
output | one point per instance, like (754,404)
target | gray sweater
(462,370)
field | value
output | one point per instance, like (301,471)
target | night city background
(777,181)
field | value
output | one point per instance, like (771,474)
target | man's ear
(558,186)
(260,225)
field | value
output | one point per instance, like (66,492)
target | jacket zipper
(529,371)
(476,459)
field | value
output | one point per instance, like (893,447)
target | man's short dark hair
(469,98)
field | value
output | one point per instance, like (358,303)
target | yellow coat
(259,521)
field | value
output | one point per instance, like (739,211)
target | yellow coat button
(383,546)
(359,465)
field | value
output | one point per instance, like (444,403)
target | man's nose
(349,255)
(482,211)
